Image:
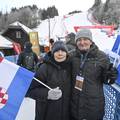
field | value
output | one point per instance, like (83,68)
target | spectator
(91,69)
(27,59)
(51,41)
(56,72)
(70,42)
(47,55)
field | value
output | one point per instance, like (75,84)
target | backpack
(29,61)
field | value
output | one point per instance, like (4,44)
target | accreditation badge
(79,82)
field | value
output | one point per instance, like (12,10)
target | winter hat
(51,41)
(59,45)
(83,33)
(28,44)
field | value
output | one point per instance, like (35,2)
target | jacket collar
(91,53)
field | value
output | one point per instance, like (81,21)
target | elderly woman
(56,72)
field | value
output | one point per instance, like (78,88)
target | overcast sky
(63,6)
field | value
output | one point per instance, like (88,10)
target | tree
(27,15)
(44,14)
(51,12)
(0,13)
(96,4)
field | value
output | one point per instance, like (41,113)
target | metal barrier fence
(112,101)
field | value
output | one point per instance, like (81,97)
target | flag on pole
(118,79)
(14,83)
(116,49)
(116,46)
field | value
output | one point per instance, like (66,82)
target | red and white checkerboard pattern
(3,97)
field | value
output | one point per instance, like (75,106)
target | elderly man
(91,68)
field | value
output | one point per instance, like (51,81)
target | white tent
(4,43)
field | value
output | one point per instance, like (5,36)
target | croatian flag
(14,83)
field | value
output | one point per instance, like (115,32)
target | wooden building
(18,33)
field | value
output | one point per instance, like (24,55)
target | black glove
(112,74)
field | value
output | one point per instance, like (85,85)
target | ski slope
(60,26)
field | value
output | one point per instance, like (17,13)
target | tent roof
(4,43)
(17,23)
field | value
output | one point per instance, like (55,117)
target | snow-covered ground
(60,27)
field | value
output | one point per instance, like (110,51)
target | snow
(60,26)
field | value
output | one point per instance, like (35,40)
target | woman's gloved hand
(54,94)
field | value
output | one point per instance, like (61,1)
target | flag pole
(42,83)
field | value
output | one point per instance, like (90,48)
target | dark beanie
(28,44)
(59,45)
(83,33)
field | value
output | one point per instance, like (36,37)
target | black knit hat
(59,45)
(28,44)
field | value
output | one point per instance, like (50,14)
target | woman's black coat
(54,75)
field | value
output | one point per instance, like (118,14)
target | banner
(35,42)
